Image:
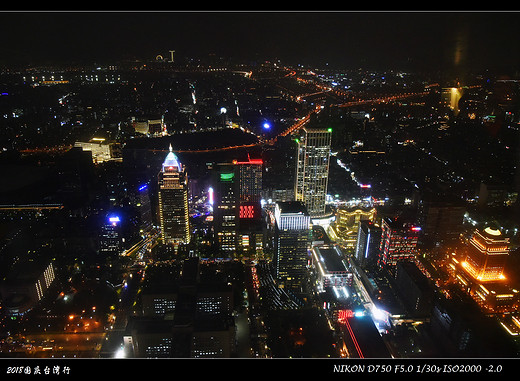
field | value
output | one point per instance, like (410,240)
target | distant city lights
(298,224)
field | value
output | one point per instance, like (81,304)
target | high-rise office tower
(110,239)
(173,201)
(250,177)
(237,213)
(251,227)
(368,241)
(441,220)
(487,254)
(226,207)
(398,241)
(312,169)
(249,187)
(292,229)
(145,208)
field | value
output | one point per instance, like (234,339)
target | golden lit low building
(102,150)
(347,221)
(487,255)
(497,297)
(481,272)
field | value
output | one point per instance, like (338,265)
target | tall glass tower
(291,243)
(312,169)
(226,207)
(173,201)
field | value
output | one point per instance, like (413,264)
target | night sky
(350,39)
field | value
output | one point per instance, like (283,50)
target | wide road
(52,344)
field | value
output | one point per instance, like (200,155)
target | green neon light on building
(227,176)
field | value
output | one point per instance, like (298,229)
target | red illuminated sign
(250,161)
(345,314)
(247,211)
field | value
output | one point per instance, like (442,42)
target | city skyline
(325,186)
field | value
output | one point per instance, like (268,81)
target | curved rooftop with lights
(492,231)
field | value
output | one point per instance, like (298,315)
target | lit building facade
(237,212)
(226,207)
(480,272)
(145,208)
(487,255)
(330,269)
(110,239)
(312,169)
(101,150)
(398,242)
(251,229)
(153,127)
(347,223)
(292,238)
(25,285)
(367,244)
(185,314)
(250,178)
(173,201)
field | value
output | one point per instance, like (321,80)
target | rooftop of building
(292,207)
(171,161)
(332,260)
(27,271)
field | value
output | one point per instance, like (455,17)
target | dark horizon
(416,40)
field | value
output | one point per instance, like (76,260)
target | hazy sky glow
(414,39)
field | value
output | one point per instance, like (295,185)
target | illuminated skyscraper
(250,187)
(226,207)
(173,201)
(312,169)
(398,242)
(368,241)
(292,231)
(250,176)
(487,255)
(110,239)
(251,232)
(237,211)
(145,208)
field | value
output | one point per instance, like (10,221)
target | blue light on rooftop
(114,219)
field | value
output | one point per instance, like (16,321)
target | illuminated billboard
(247,211)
